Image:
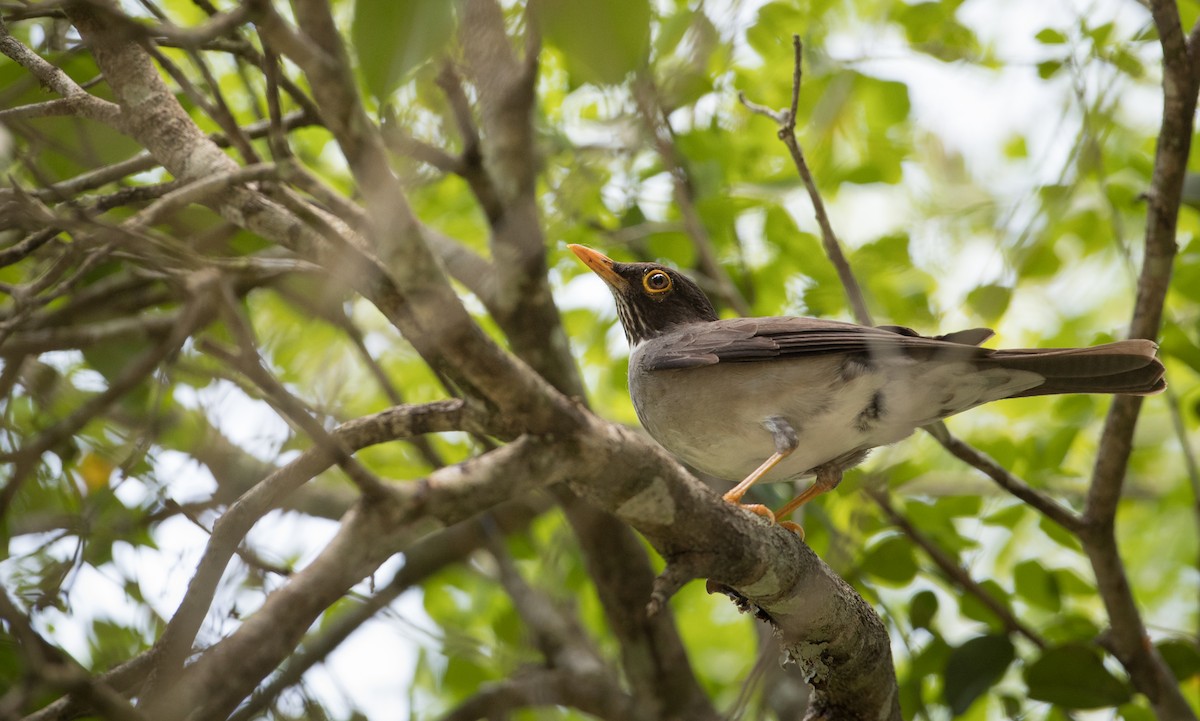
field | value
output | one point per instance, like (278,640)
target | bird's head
(651,298)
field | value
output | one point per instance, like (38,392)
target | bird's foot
(793,527)
(759,509)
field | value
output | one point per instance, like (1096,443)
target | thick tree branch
(1129,640)
(825,626)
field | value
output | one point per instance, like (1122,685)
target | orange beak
(600,264)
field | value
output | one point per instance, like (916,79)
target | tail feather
(1126,367)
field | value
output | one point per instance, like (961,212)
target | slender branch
(84,106)
(954,571)
(124,328)
(559,635)
(200,190)
(125,678)
(1004,478)
(58,81)
(1189,456)
(833,248)
(26,246)
(421,560)
(236,522)
(591,694)
(25,460)
(251,364)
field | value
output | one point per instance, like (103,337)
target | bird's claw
(793,527)
(759,509)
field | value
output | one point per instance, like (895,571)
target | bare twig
(559,636)
(80,100)
(1189,455)
(26,246)
(84,106)
(200,190)
(125,328)
(786,120)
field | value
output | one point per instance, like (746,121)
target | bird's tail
(1127,367)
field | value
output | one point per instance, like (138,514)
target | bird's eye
(656,281)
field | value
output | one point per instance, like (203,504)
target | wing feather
(747,340)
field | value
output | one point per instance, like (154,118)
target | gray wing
(743,340)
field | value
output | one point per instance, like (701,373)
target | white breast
(712,416)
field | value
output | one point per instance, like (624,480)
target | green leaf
(989,301)
(931,660)
(1133,712)
(1048,68)
(922,608)
(1037,585)
(1007,517)
(1050,36)
(1177,343)
(392,37)
(892,561)
(771,35)
(973,608)
(602,42)
(1127,62)
(1074,677)
(973,668)
(1059,535)
(1071,628)
(1182,656)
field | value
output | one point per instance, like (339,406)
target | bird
(778,399)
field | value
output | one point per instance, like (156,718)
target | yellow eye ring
(657,281)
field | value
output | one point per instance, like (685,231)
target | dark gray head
(651,298)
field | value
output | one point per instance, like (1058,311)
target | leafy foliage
(1029,223)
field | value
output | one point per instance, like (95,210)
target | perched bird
(777,399)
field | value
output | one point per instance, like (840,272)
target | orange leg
(827,479)
(785,443)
